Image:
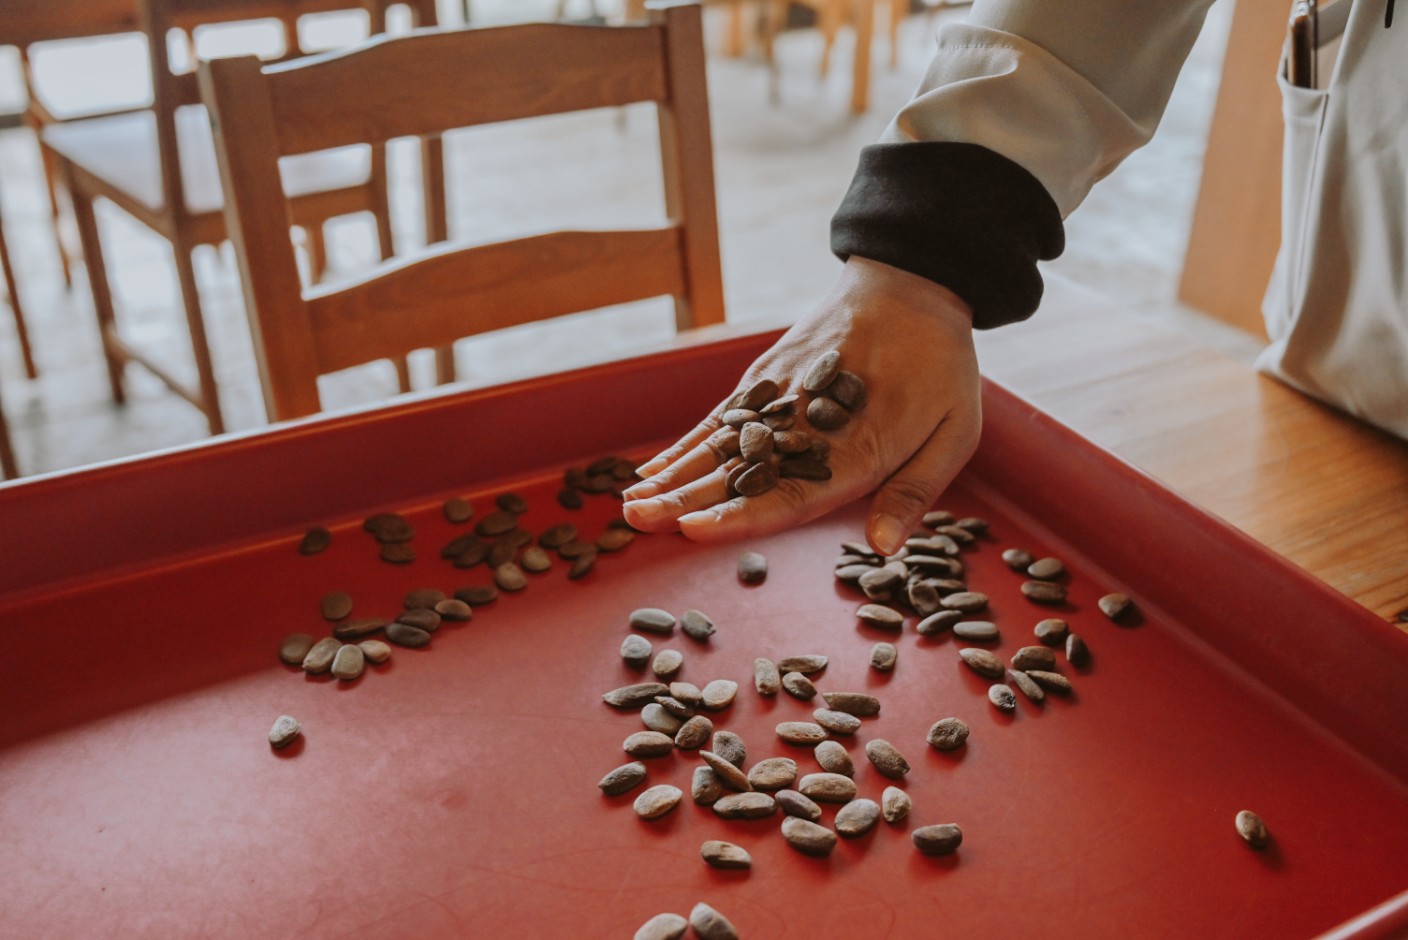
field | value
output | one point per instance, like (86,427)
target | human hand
(911,341)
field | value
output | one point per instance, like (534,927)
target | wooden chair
(424,84)
(8,467)
(159,166)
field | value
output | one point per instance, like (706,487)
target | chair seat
(121,150)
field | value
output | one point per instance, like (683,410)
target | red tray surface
(452,791)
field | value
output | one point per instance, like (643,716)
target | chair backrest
(421,85)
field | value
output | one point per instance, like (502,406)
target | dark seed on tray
(694,733)
(474,554)
(975,631)
(826,415)
(389,527)
(648,744)
(653,620)
(294,647)
(729,775)
(1077,653)
(349,663)
(569,498)
(880,616)
(1046,569)
(983,663)
(966,601)
(937,518)
(375,651)
(828,787)
(1034,657)
(836,722)
(1051,681)
(1252,829)
(799,686)
(635,696)
(696,625)
(427,620)
(598,483)
(857,818)
(314,540)
(1044,592)
(948,586)
(558,535)
(752,568)
(1003,697)
(937,623)
(756,480)
(1116,606)
(730,747)
(477,595)
(849,390)
(719,694)
(422,598)
(352,629)
(883,656)
(895,804)
(511,502)
(457,509)
(805,663)
(285,729)
(1018,559)
(853,703)
(959,535)
(766,678)
(574,549)
(398,553)
(655,718)
(709,924)
(336,605)
(822,371)
(833,758)
(774,773)
(582,565)
(403,634)
(795,804)
(622,779)
(613,540)
(458,545)
(808,837)
(1026,685)
(657,801)
(973,524)
(501,553)
(496,523)
(574,476)
(535,560)
(937,840)
(948,734)
(602,465)
(800,732)
(736,418)
(725,855)
(886,758)
(704,786)
(1051,631)
(667,664)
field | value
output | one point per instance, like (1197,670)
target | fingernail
(651,467)
(698,518)
(887,533)
(642,490)
(647,510)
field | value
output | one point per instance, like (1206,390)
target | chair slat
(456,292)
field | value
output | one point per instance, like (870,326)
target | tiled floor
(781,170)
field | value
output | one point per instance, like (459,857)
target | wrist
(876,285)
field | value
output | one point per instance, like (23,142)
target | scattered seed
(696,625)
(349,663)
(1034,657)
(836,722)
(635,696)
(613,540)
(321,655)
(880,616)
(653,620)
(883,657)
(1002,697)
(708,923)
(582,565)
(1077,653)
(799,686)
(1018,559)
(336,605)
(887,758)
(314,541)
(422,599)
(454,609)
(693,733)
(1051,681)
(766,678)
(948,734)
(295,647)
(704,787)
(569,498)
(667,664)
(966,601)
(725,855)
(1051,631)
(657,801)
(403,634)
(983,663)
(1046,569)
(807,663)
(662,927)
(427,620)
(857,818)
(622,779)
(719,694)
(895,804)
(1116,606)
(774,773)
(1026,685)
(729,775)
(749,805)
(822,371)
(800,732)
(833,758)
(937,840)
(398,553)
(1252,829)
(758,479)
(686,692)
(1044,592)
(534,560)
(752,568)
(807,836)
(937,518)
(827,415)
(976,631)
(656,718)
(287,727)
(938,622)
(853,703)
(828,787)
(794,803)
(375,651)
(648,744)
(496,524)
(973,524)
(558,535)
(478,595)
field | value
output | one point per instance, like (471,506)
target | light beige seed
(452,608)
(535,560)
(718,695)
(1044,592)
(1017,558)
(1116,606)
(729,775)
(948,734)
(828,787)
(636,650)
(725,855)
(510,577)
(654,717)
(880,616)
(667,664)
(853,703)
(1034,657)
(895,804)
(635,696)
(1077,653)
(836,722)
(375,651)
(696,625)
(657,801)
(1051,681)
(794,803)
(693,733)
(806,664)
(730,747)
(833,758)
(648,744)
(807,836)
(622,779)
(749,805)
(349,663)
(983,663)
(321,655)
(976,631)
(800,732)
(653,620)
(774,773)
(1252,829)
(857,818)
(662,927)
(766,678)
(295,647)
(967,601)
(822,371)
(1046,569)
(686,692)
(1051,631)
(886,758)
(613,540)
(709,924)
(1002,697)
(883,656)
(799,686)
(285,729)
(937,840)
(704,787)
(1026,685)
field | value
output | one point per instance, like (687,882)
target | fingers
(661,513)
(684,445)
(704,458)
(902,500)
(790,503)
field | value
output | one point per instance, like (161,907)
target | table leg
(865,30)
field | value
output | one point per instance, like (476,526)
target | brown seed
(719,694)
(895,804)
(880,616)
(728,774)
(648,744)
(1051,631)
(937,623)
(653,620)
(510,577)
(315,540)
(320,657)
(806,663)
(736,418)
(924,598)
(1034,657)
(704,786)
(513,502)
(558,535)
(808,837)
(1044,592)
(496,524)
(662,927)
(294,647)
(937,518)
(764,391)
(826,415)
(725,855)
(285,729)
(849,390)
(735,473)
(622,779)
(975,631)
(336,605)
(822,371)
(657,801)
(948,734)
(804,468)
(569,498)
(1051,681)
(349,663)
(569,551)
(1018,559)
(853,703)
(1026,685)
(696,625)
(836,722)
(656,718)
(1046,569)
(886,758)
(375,651)
(582,565)
(833,758)
(389,527)
(752,568)
(973,524)
(1116,606)
(478,595)
(635,696)
(766,678)
(1077,653)
(966,601)
(427,620)
(883,656)
(794,803)
(959,535)
(983,663)
(458,545)
(1252,829)
(674,706)
(352,629)
(725,443)
(800,732)
(773,773)
(534,560)
(403,634)
(708,923)
(693,733)
(828,787)
(780,406)
(398,553)
(636,650)
(686,692)
(613,540)
(791,442)
(1002,697)
(799,686)
(755,442)
(779,422)
(756,480)
(667,664)
(852,573)
(878,580)
(857,818)
(454,609)
(457,510)
(471,555)
(937,840)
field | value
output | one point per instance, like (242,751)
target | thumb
(910,492)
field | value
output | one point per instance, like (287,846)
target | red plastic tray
(452,791)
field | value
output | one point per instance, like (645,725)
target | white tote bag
(1337,306)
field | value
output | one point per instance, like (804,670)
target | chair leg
(12,291)
(209,394)
(9,467)
(316,243)
(832,13)
(898,10)
(52,173)
(92,247)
